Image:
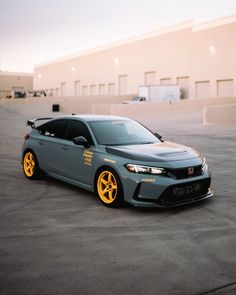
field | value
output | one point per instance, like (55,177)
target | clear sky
(32,32)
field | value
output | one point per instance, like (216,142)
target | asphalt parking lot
(58,239)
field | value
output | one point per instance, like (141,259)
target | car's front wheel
(109,188)
(30,165)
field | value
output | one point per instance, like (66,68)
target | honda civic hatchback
(118,159)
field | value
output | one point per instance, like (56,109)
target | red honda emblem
(190,171)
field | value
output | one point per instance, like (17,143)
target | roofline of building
(215,23)
(178,27)
(3,73)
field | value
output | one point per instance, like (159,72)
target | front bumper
(165,192)
(151,204)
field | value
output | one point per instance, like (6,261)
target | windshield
(135,98)
(122,132)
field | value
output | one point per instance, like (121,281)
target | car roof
(91,118)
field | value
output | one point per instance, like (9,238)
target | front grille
(184,192)
(184,172)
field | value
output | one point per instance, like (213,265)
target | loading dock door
(165,81)
(57,91)
(123,84)
(150,78)
(93,90)
(102,89)
(225,88)
(85,90)
(112,88)
(63,89)
(202,89)
(183,82)
(77,88)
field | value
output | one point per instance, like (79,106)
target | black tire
(109,188)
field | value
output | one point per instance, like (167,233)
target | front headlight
(144,169)
(204,165)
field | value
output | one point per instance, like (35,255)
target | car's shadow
(83,193)
(174,209)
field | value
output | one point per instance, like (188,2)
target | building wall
(15,81)
(214,56)
(185,54)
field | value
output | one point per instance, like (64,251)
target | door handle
(65,147)
(41,142)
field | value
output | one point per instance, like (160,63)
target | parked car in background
(20,94)
(39,93)
(16,94)
(135,100)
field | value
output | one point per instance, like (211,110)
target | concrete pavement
(58,239)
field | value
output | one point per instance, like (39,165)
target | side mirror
(80,140)
(158,136)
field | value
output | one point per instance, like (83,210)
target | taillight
(26,136)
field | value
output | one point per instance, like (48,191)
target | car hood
(158,152)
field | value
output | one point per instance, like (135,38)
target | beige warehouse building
(200,58)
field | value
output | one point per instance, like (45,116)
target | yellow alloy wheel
(29,164)
(107,187)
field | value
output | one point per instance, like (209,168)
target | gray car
(118,159)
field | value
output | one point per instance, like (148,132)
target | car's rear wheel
(109,188)
(30,165)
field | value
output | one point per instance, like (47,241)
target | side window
(77,128)
(55,129)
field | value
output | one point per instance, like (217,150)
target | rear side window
(77,128)
(55,129)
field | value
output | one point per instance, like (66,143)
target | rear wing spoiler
(32,124)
